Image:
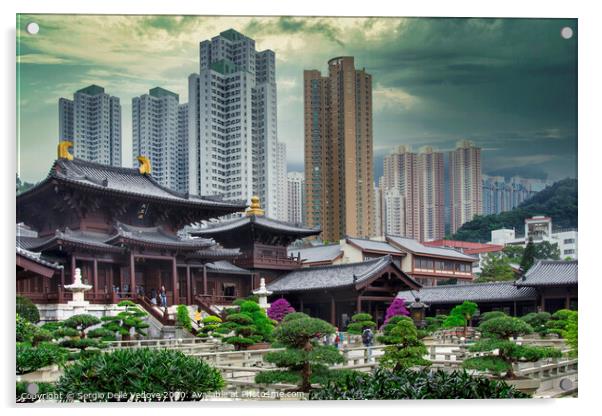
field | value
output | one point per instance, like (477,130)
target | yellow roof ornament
(62,150)
(255,208)
(145,165)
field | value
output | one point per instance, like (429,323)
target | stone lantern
(78,288)
(417,312)
(262,293)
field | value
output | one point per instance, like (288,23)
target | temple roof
(375,246)
(155,236)
(223,266)
(474,292)
(550,273)
(416,247)
(271,231)
(87,239)
(126,182)
(317,254)
(331,277)
(38,258)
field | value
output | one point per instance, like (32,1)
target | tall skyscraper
(501,194)
(183,147)
(92,120)
(281,184)
(232,121)
(379,210)
(296,196)
(395,212)
(155,129)
(338,150)
(400,173)
(431,195)
(466,193)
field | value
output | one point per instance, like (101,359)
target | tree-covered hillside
(558,201)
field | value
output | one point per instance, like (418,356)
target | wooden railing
(161,315)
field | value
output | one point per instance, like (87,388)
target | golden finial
(62,150)
(255,208)
(145,165)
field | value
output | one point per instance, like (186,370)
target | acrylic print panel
(314,206)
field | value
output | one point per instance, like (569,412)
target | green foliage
(123,323)
(496,268)
(211,327)
(528,256)
(558,201)
(514,253)
(183,317)
(23,396)
(30,358)
(558,322)
(102,333)
(502,351)
(250,325)
(155,372)
(383,384)
(538,321)
(572,333)
(303,355)
(66,332)
(404,349)
(27,309)
(81,322)
(28,332)
(461,315)
(434,323)
(491,315)
(359,322)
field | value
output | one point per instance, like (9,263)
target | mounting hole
(32,28)
(566,32)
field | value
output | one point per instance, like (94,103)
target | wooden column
(333,311)
(72,267)
(132,275)
(95,278)
(301,305)
(359,304)
(205,279)
(567,301)
(174,282)
(61,286)
(188,288)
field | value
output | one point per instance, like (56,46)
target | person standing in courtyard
(163,296)
(367,337)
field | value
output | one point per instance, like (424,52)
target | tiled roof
(372,245)
(126,181)
(227,267)
(156,236)
(317,254)
(86,238)
(281,226)
(550,273)
(328,277)
(417,248)
(474,292)
(215,252)
(467,247)
(38,258)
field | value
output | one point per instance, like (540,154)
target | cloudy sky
(509,85)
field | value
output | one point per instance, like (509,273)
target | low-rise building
(477,250)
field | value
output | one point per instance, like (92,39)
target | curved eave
(63,242)
(127,241)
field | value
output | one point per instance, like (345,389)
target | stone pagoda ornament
(78,288)
(263,294)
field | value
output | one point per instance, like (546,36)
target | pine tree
(528,256)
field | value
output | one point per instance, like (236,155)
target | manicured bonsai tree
(250,325)
(27,309)
(127,373)
(461,315)
(79,339)
(538,321)
(303,356)
(132,318)
(496,336)
(434,323)
(359,322)
(404,349)
(183,317)
(490,315)
(279,309)
(211,326)
(558,321)
(397,307)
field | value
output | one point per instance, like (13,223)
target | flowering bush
(398,307)
(279,309)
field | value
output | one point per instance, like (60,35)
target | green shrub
(30,358)
(572,332)
(304,357)
(250,325)
(24,396)
(383,384)
(359,322)
(434,323)
(557,324)
(24,329)
(461,315)
(125,321)
(183,317)
(538,321)
(155,372)
(27,309)
(490,315)
(502,352)
(211,326)
(403,349)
